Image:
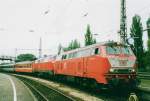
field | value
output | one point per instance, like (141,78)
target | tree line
(136,33)
(89,40)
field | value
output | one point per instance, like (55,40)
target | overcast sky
(23,22)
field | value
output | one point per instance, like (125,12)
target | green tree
(89,37)
(148,31)
(25,57)
(146,60)
(72,45)
(75,44)
(137,34)
(147,53)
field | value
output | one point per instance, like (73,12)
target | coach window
(97,51)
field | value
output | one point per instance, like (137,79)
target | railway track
(144,75)
(144,91)
(103,95)
(43,92)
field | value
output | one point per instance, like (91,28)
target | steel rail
(60,92)
(144,75)
(40,85)
(35,90)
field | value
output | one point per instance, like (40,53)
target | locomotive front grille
(123,71)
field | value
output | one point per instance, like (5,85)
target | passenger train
(102,64)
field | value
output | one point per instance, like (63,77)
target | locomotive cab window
(113,50)
(96,51)
(126,50)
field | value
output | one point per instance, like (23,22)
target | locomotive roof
(24,62)
(49,57)
(94,45)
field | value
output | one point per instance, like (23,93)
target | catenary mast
(123,23)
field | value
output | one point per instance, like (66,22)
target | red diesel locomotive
(44,65)
(103,63)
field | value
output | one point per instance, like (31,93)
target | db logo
(123,62)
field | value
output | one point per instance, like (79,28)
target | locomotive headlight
(112,70)
(132,70)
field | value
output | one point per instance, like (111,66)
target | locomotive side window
(64,56)
(70,55)
(74,55)
(79,54)
(86,52)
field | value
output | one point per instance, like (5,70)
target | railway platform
(12,89)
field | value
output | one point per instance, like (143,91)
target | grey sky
(23,22)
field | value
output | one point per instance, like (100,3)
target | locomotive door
(80,67)
(85,66)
